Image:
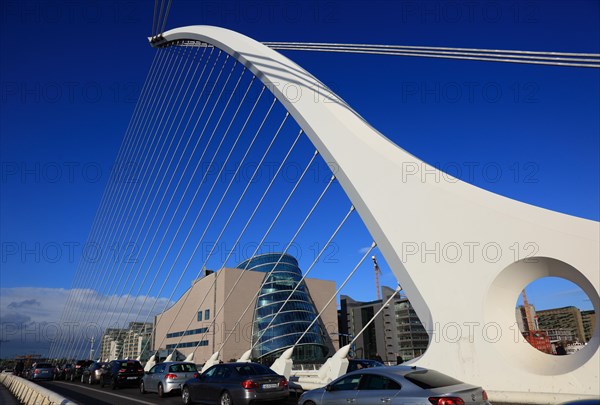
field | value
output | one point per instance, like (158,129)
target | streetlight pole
(92,348)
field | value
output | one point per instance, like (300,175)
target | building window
(199,316)
(207,314)
(186,333)
(188,344)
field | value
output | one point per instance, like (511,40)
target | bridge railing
(29,393)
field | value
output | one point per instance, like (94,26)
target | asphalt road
(85,394)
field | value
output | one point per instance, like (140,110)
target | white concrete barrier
(29,393)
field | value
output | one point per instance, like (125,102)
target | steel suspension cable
(210,192)
(154,18)
(166,210)
(373,245)
(307,272)
(143,193)
(292,240)
(202,182)
(160,13)
(187,295)
(436,48)
(268,231)
(251,217)
(234,210)
(125,204)
(90,263)
(185,216)
(155,194)
(397,291)
(105,197)
(529,57)
(136,134)
(165,18)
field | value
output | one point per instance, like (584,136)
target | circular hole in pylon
(555,316)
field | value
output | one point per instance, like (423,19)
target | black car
(93,373)
(63,371)
(74,373)
(120,373)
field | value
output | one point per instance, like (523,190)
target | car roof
(239,363)
(400,371)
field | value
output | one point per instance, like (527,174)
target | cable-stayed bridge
(218,111)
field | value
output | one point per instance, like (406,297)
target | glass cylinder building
(271,337)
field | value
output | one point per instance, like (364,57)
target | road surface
(85,394)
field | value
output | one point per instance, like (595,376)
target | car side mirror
(328,388)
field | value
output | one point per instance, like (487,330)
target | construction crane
(530,323)
(536,338)
(377,273)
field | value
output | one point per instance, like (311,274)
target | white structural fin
(150,363)
(246,356)
(214,359)
(283,364)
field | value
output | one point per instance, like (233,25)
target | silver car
(394,386)
(164,378)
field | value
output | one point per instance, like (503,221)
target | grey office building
(396,333)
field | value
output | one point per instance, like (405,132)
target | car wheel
(185,396)
(142,388)
(225,399)
(161,391)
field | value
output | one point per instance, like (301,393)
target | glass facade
(276,335)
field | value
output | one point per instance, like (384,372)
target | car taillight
(77,366)
(171,376)
(484,395)
(446,401)
(36,371)
(122,370)
(283,383)
(195,375)
(249,384)
(140,370)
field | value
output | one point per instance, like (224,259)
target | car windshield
(44,365)
(253,369)
(129,365)
(182,368)
(427,379)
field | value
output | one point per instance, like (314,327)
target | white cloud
(30,318)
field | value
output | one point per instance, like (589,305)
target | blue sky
(71,73)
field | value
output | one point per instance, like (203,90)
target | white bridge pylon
(462,254)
